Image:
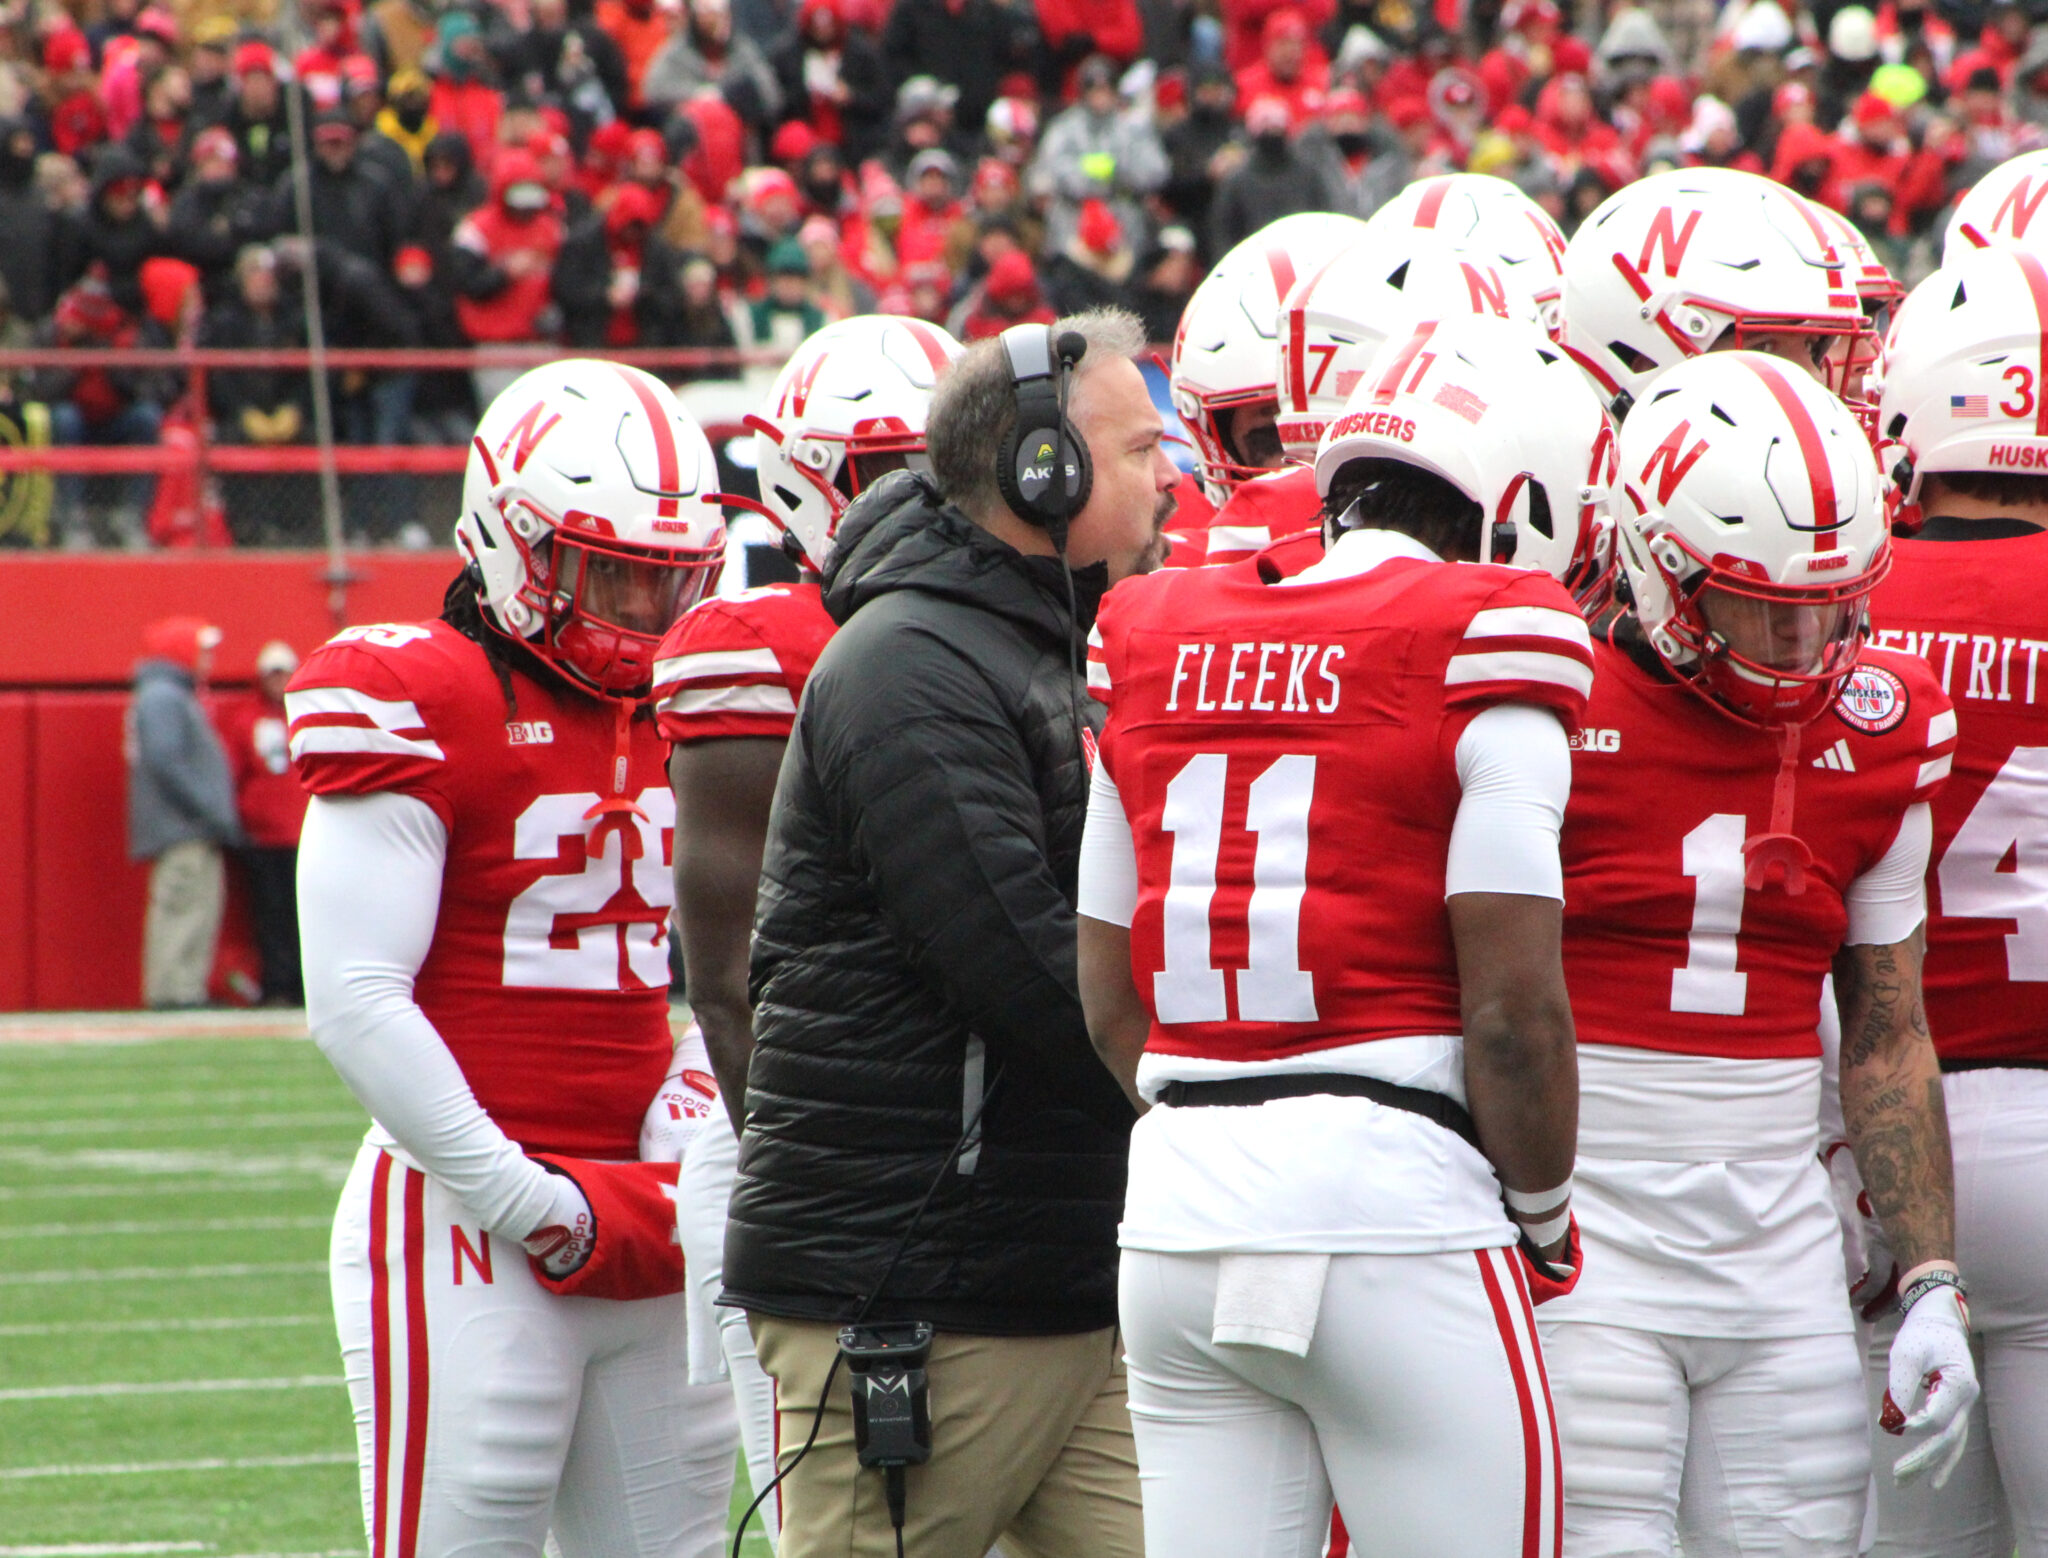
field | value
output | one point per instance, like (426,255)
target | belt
(1238,1091)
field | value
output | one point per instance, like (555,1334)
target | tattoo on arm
(1892,1100)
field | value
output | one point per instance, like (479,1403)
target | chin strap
(1780,857)
(613,813)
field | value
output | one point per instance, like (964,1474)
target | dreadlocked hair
(462,609)
(1394,495)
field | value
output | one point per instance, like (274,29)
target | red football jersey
(1664,946)
(1971,609)
(736,665)
(1188,530)
(548,973)
(1262,511)
(1287,760)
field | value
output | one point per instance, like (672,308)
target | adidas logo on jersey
(1837,757)
(1596,741)
(528,732)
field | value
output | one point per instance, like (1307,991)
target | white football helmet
(1879,293)
(1335,319)
(584,520)
(1962,374)
(2002,210)
(1750,533)
(849,407)
(1480,212)
(1224,351)
(1493,407)
(1668,266)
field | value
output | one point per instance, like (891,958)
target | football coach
(930,1141)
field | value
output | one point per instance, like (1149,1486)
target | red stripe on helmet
(668,465)
(1819,474)
(935,354)
(1297,348)
(1281,263)
(2037,288)
(1390,381)
(1432,205)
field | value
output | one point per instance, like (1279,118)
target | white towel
(1268,1301)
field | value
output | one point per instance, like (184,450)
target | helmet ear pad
(1043,469)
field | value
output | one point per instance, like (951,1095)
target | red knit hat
(793,142)
(179,640)
(1012,279)
(66,49)
(166,283)
(1099,230)
(255,55)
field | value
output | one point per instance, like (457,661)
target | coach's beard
(1155,552)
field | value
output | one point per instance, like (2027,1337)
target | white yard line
(22,1104)
(169,1225)
(170,1387)
(295,1268)
(104,1549)
(103,1127)
(154,1163)
(192,1323)
(148,1027)
(154,1468)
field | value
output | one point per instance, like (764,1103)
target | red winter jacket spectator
(517,248)
(471,110)
(1075,29)
(1805,161)
(1291,66)
(267,793)
(1244,23)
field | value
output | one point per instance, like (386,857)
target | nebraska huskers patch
(1872,700)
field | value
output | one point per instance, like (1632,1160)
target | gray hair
(975,405)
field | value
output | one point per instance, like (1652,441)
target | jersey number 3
(1977,884)
(1272,986)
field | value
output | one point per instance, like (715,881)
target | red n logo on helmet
(1488,292)
(2022,200)
(1672,241)
(526,433)
(798,395)
(1675,465)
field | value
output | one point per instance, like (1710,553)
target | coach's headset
(1043,470)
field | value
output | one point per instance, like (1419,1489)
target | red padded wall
(17,747)
(87,902)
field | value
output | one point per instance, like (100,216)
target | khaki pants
(186,892)
(1031,1446)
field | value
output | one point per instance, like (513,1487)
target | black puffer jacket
(915,951)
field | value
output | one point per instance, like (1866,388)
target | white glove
(687,1097)
(1932,1352)
(568,1233)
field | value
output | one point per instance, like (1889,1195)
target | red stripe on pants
(380,1354)
(415,1360)
(1549,1408)
(1532,1457)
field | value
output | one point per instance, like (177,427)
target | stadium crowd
(711,174)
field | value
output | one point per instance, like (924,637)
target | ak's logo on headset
(1039,468)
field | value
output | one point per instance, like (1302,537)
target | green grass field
(169,1380)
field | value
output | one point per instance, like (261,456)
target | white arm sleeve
(1515,767)
(1109,859)
(1887,903)
(369,893)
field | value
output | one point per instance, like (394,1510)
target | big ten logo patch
(528,732)
(1596,741)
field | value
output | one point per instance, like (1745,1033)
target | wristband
(1543,1215)
(1925,1279)
(1538,1203)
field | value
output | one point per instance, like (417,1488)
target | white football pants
(710,1165)
(1998,1496)
(489,1409)
(1421,1402)
(1744,1449)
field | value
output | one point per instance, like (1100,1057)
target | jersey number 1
(1272,986)
(1709,981)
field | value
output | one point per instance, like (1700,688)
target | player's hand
(635,1250)
(687,1098)
(1555,1272)
(563,1242)
(1931,1353)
